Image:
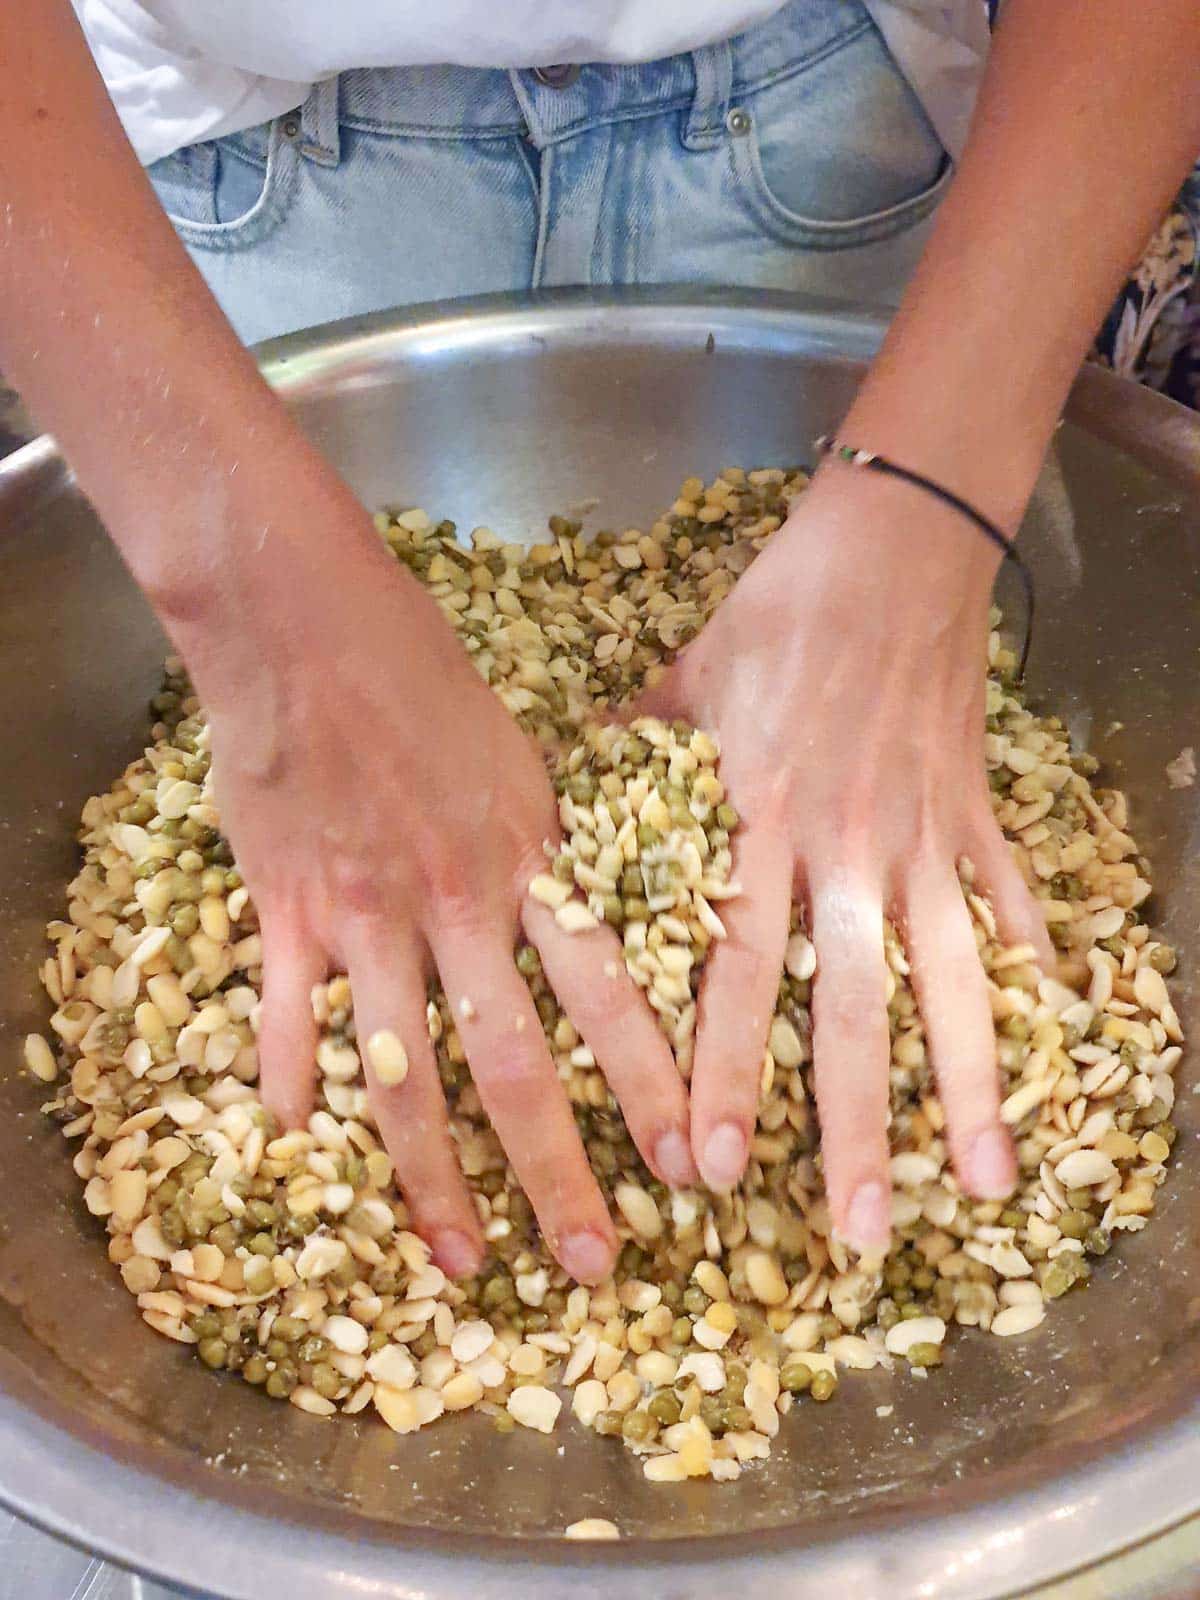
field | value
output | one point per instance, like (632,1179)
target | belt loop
(713,66)
(319,124)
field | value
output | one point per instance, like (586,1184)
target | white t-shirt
(180,71)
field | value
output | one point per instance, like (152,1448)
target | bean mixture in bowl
(286,1258)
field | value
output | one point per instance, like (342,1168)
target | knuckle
(434,1208)
(848,1011)
(511,1073)
(460,903)
(743,965)
(421,1163)
(415,1173)
(464,914)
(741,1072)
(728,1066)
(446,875)
(435,1194)
(356,886)
(851,818)
(652,1096)
(955,1005)
(285,1051)
(605,1015)
(413,1121)
(557,1181)
(404,1100)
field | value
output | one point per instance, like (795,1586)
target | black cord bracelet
(828,445)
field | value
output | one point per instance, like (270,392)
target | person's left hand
(844,678)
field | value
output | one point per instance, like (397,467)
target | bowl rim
(164,1524)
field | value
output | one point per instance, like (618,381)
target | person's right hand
(387,815)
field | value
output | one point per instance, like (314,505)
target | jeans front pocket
(230,193)
(838,154)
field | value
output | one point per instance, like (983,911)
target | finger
(952,994)
(526,1104)
(588,974)
(287,1032)
(661,695)
(662,701)
(737,1002)
(851,1057)
(389,999)
(1018,915)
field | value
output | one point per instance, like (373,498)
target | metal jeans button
(561,76)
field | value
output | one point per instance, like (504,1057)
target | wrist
(967,389)
(990,461)
(873,531)
(247,586)
(218,494)
(253,525)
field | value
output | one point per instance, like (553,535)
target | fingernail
(455,1253)
(673,1158)
(724,1158)
(991,1166)
(869,1219)
(586,1256)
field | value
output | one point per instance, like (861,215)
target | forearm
(1087,122)
(121,351)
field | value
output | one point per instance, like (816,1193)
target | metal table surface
(35,1566)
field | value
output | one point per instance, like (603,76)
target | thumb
(662,697)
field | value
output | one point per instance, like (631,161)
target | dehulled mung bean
(290,1260)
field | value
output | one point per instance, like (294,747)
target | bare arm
(1088,121)
(104,319)
(361,839)
(845,673)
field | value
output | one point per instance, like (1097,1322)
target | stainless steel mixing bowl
(1023,1460)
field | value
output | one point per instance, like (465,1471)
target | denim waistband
(476,103)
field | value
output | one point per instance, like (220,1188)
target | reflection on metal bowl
(1023,1460)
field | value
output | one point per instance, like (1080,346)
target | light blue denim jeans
(794,156)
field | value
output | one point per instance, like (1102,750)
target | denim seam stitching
(402,130)
(522,152)
(713,67)
(417,130)
(611,119)
(543,227)
(793,68)
(790,228)
(264,216)
(596,273)
(231,146)
(650,108)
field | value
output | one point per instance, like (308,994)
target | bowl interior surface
(502,415)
